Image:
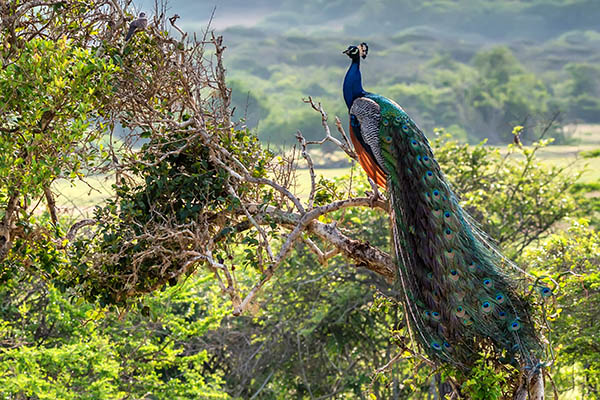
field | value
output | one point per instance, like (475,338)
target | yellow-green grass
(563,156)
(84,196)
(302,187)
(590,166)
(584,133)
(81,197)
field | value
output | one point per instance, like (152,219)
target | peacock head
(355,52)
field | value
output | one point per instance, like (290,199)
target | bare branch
(311,168)
(77,226)
(253,222)
(172,21)
(328,137)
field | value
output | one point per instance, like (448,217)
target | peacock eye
(514,325)
(499,298)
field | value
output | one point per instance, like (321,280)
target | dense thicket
(138,301)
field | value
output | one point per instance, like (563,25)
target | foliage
(589,200)
(172,192)
(484,382)
(572,260)
(515,197)
(64,81)
(55,346)
(53,97)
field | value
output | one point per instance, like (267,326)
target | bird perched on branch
(457,292)
(137,25)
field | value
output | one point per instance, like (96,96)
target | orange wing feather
(366,161)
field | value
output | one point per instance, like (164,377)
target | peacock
(455,286)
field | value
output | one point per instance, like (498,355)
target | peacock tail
(456,288)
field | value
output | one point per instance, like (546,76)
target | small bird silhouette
(517,130)
(137,25)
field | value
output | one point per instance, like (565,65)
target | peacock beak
(345,51)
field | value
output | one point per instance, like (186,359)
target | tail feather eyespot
(514,325)
(487,306)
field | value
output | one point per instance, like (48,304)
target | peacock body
(455,287)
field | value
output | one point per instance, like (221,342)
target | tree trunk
(444,387)
(531,387)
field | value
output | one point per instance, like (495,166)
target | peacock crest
(363,49)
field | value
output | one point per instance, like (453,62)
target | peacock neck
(353,84)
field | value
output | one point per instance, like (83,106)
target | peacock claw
(374,197)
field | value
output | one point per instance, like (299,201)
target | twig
(311,168)
(328,137)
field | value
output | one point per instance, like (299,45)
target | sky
(195,14)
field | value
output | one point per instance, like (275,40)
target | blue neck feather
(353,83)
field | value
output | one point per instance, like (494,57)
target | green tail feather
(455,285)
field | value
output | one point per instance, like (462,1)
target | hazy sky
(195,15)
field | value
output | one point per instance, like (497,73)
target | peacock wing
(365,120)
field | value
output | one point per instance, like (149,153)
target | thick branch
(532,387)
(366,255)
(51,204)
